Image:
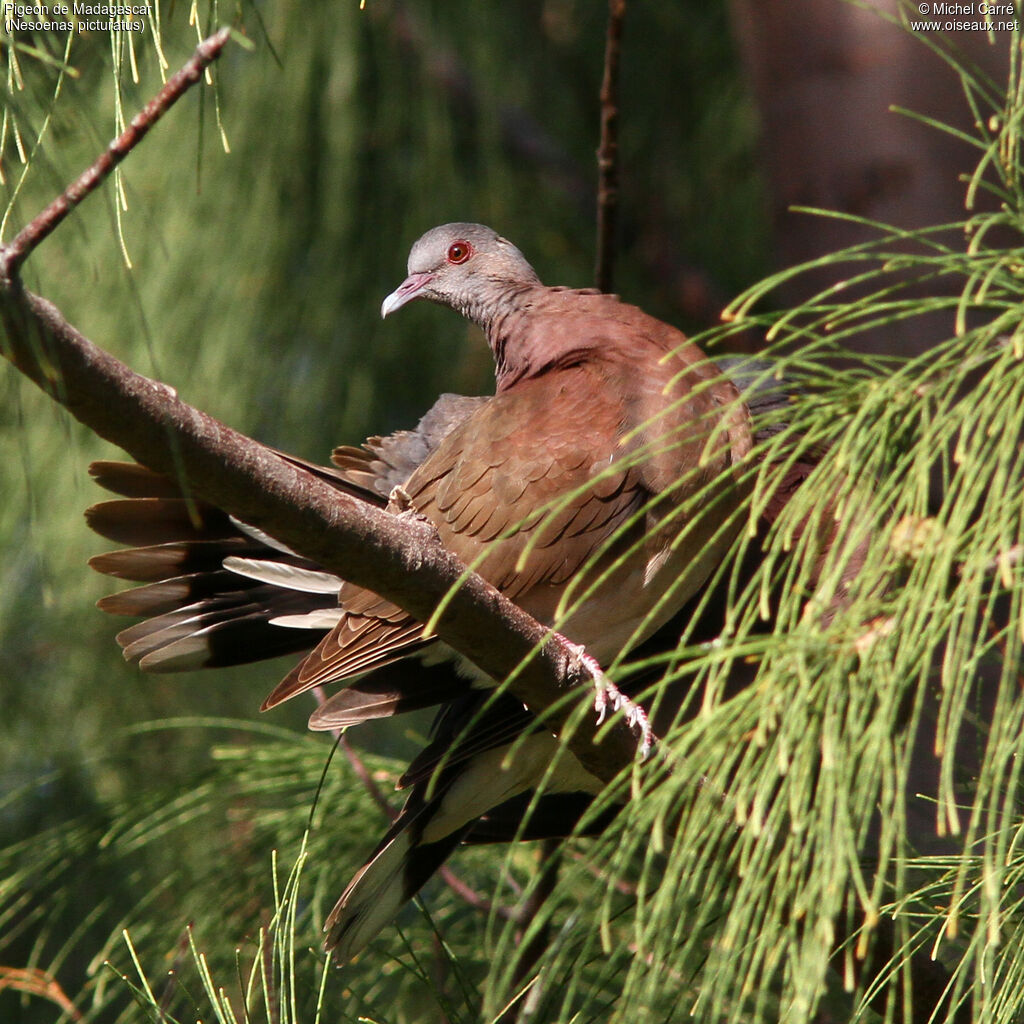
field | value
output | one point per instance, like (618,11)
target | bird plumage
(606,466)
(608,435)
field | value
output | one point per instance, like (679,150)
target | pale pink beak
(408,290)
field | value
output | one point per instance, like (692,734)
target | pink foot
(609,694)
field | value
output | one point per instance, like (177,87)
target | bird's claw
(608,693)
(636,717)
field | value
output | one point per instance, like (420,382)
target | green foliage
(866,788)
(864,791)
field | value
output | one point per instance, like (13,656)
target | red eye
(459,252)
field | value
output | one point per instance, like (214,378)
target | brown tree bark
(825,75)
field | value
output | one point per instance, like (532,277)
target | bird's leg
(609,694)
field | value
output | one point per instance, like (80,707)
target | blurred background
(251,278)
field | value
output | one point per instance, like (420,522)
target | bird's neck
(538,329)
(494,300)
(508,335)
(503,311)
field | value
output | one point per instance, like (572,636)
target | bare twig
(21,247)
(549,860)
(608,151)
(470,896)
(364,776)
(618,884)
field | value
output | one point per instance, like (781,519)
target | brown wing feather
(541,478)
(537,456)
(491,477)
(133,480)
(356,645)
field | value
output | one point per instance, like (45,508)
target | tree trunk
(825,75)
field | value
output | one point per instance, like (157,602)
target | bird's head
(467,267)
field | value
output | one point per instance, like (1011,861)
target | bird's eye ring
(459,252)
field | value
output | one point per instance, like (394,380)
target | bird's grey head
(467,267)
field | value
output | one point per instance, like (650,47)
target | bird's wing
(525,491)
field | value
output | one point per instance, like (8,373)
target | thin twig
(618,884)
(470,896)
(21,247)
(363,774)
(608,151)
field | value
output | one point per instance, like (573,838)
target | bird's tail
(477,781)
(398,869)
(214,591)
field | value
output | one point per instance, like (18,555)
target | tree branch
(176,86)
(608,151)
(398,557)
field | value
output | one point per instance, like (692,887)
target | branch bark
(398,557)
(608,151)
